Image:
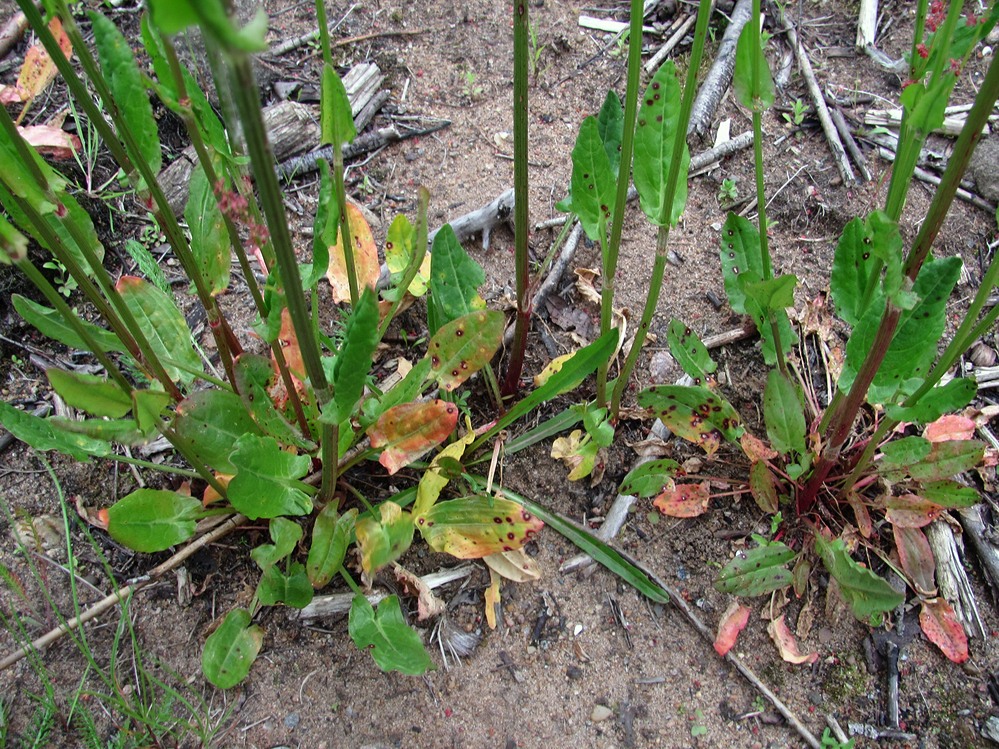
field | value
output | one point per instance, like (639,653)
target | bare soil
(560,651)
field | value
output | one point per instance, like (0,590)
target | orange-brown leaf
(365,257)
(916,557)
(756,449)
(38,70)
(733,621)
(941,627)
(684,500)
(950,427)
(786,643)
(911,511)
(410,429)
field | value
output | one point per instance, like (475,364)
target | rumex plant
(293,408)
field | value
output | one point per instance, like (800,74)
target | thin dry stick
(719,76)
(103,605)
(839,153)
(851,145)
(656,60)
(306,38)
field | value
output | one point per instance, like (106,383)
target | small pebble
(574,672)
(291,721)
(600,713)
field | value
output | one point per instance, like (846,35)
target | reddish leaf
(756,449)
(463,346)
(477,526)
(860,513)
(911,511)
(762,487)
(941,627)
(786,644)
(733,621)
(51,141)
(684,500)
(950,427)
(409,430)
(365,257)
(916,558)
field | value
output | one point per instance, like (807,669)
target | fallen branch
(867,23)
(12,32)
(228,525)
(805,65)
(975,529)
(851,145)
(719,77)
(932,179)
(299,41)
(954,118)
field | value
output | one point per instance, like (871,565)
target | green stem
(522,260)
(324,33)
(659,265)
(346,238)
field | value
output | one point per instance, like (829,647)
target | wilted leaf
(513,565)
(463,346)
(732,622)
(407,431)
(756,449)
(492,598)
(393,644)
(38,70)
(694,413)
(941,627)
(577,454)
(231,650)
(150,520)
(911,511)
(383,540)
(916,557)
(786,644)
(428,605)
(365,257)
(756,571)
(684,500)
(476,526)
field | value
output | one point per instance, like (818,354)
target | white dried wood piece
(719,76)
(952,580)
(12,32)
(361,83)
(609,25)
(867,23)
(952,125)
(339,603)
(978,536)
(850,144)
(805,65)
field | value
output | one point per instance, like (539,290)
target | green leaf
(13,244)
(393,644)
(43,436)
(610,126)
(335,109)
(173,16)
(164,327)
(903,452)
(938,401)
(592,186)
(286,534)
(127,89)
(757,571)
(353,361)
(868,595)
(266,482)
(148,265)
(148,407)
(325,229)
(122,431)
(658,125)
(648,479)
(863,243)
(95,395)
(749,51)
(209,238)
(385,539)
(914,345)
(454,279)
(947,459)
(231,650)
(477,526)
(763,487)
(331,535)
(150,520)
(783,414)
(407,431)
(772,294)
(949,494)
(689,352)
(694,413)
(740,259)
(463,346)
(292,589)
(50,323)
(254,375)
(211,421)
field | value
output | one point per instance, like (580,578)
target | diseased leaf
(593,184)
(694,413)
(231,650)
(373,406)
(783,414)
(732,622)
(211,421)
(911,511)
(869,596)
(950,427)
(476,526)
(383,540)
(949,494)
(860,513)
(763,487)
(38,70)
(939,401)
(755,448)
(897,455)
(53,142)
(755,93)
(463,346)
(330,538)
(786,644)
(648,479)
(917,559)
(164,326)
(150,520)
(435,478)
(266,483)
(43,436)
(365,252)
(941,627)
(658,123)
(757,571)
(209,238)
(455,279)
(684,500)
(740,258)
(400,244)
(947,459)
(513,565)
(428,606)
(393,644)
(407,431)
(97,396)
(689,352)
(610,126)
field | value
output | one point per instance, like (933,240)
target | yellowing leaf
(941,627)
(463,346)
(684,500)
(38,70)
(553,366)
(733,621)
(365,257)
(756,449)
(434,479)
(476,526)
(786,644)
(492,596)
(513,565)
(383,540)
(407,431)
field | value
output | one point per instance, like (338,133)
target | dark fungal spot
(659,118)
(454,372)
(656,85)
(388,245)
(498,521)
(512,536)
(459,332)
(641,123)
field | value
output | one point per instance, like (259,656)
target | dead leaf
(428,605)
(786,644)
(513,565)
(492,596)
(38,70)
(365,252)
(916,558)
(50,141)
(732,622)
(586,285)
(756,449)
(911,511)
(941,627)
(684,500)
(950,427)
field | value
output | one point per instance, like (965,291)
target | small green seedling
(468,88)
(797,114)
(728,193)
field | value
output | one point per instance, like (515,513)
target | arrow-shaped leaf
(231,650)
(393,644)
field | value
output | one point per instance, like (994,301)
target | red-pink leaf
(911,511)
(941,627)
(684,500)
(786,644)
(916,558)
(53,142)
(756,449)
(733,621)
(950,427)
(365,257)
(409,430)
